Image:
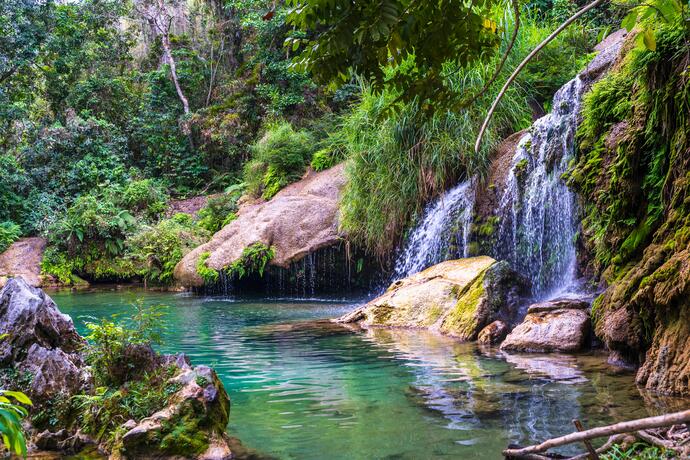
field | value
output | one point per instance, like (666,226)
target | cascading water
(442,234)
(537,211)
(538,223)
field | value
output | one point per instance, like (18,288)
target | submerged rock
(300,219)
(456,297)
(560,325)
(494,333)
(23,259)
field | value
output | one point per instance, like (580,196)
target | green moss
(461,321)
(254,259)
(209,275)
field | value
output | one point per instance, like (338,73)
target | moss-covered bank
(633,177)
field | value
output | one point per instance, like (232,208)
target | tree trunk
(167,54)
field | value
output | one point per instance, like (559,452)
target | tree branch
(618,428)
(524,62)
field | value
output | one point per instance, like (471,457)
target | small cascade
(537,211)
(442,234)
(330,270)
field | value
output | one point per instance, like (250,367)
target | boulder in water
(191,426)
(494,333)
(560,325)
(300,219)
(456,297)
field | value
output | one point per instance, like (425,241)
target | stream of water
(304,389)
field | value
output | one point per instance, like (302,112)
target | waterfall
(538,223)
(442,234)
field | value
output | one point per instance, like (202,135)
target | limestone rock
(301,218)
(494,333)
(23,259)
(456,297)
(561,325)
(192,426)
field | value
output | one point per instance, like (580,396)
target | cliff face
(633,178)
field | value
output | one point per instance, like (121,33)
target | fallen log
(632,426)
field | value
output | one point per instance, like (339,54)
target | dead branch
(653,440)
(617,428)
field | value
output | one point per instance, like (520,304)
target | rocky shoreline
(44,356)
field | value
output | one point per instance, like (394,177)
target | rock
(493,334)
(30,317)
(54,373)
(192,426)
(457,297)
(300,219)
(41,341)
(561,325)
(23,259)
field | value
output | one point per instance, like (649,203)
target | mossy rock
(191,426)
(457,297)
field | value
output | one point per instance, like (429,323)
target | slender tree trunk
(167,53)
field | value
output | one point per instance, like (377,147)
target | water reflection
(304,388)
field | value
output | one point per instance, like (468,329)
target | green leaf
(19,396)
(630,20)
(649,40)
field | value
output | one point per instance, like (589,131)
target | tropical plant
(254,259)
(279,158)
(110,341)
(9,233)
(11,414)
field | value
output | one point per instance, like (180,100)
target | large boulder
(300,219)
(191,426)
(457,298)
(561,325)
(40,341)
(23,259)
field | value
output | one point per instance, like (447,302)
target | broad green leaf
(630,20)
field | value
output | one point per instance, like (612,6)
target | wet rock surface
(300,219)
(456,297)
(494,333)
(561,325)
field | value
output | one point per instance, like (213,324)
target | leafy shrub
(77,158)
(95,220)
(9,233)
(145,196)
(218,209)
(279,158)
(11,414)
(253,260)
(130,381)
(157,250)
(209,275)
(110,340)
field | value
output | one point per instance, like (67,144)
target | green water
(302,389)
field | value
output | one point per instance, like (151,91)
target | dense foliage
(109,114)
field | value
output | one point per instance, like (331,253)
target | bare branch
(617,428)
